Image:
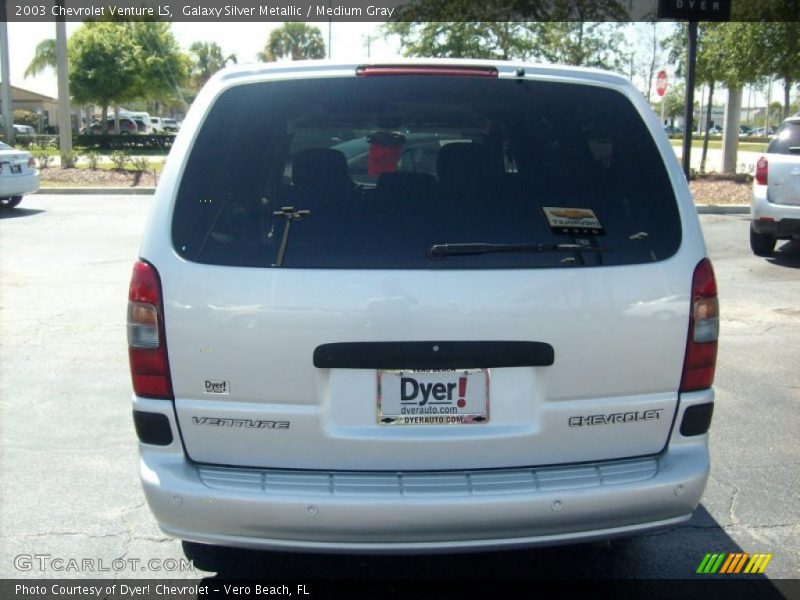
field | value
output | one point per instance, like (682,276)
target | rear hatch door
(550,232)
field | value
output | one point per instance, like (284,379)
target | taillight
(31,163)
(701,344)
(762,168)
(147,347)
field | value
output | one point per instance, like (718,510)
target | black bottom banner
(405,589)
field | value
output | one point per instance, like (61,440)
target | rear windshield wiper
(442,250)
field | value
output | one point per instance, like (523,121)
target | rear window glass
(787,139)
(420,172)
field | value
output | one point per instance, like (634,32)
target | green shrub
(140,163)
(36,141)
(119,159)
(26,117)
(43,157)
(135,144)
(68,160)
(92,158)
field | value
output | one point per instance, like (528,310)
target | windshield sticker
(217,387)
(573,221)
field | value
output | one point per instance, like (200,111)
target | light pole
(330,27)
(5,69)
(769,99)
(64,117)
(691,60)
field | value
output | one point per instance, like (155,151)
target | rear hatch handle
(433,355)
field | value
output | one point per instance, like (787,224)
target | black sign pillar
(688,112)
(692,11)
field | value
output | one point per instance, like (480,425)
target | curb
(729,209)
(110,191)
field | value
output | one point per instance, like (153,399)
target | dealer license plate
(16,169)
(433,397)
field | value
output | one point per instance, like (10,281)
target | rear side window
(421,172)
(786,140)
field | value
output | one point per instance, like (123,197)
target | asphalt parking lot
(68,463)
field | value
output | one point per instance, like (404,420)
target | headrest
(320,168)
(463,162)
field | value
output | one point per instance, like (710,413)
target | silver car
(775,205)
(511,345)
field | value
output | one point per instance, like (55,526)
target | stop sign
(661,83)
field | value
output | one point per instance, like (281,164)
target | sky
(348,42)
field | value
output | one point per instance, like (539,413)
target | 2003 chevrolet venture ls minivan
(426,306)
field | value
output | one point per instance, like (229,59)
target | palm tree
(44,58)
(297,41)
(207,59)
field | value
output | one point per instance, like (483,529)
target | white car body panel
(272,377)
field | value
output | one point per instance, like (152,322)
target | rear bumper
(780,220)
(413,512)
(18,186)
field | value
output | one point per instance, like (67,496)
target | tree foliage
(26,117)
(776,46)
(738,53)
(674,101)
(111,63)
(774,37)
(708,67)
(104,65)
(458,39)
(296,41)
(647,57)
(43,58)
(590,44)
(522,11)
(564,31)
(206,59)
(163,67)
(580,43)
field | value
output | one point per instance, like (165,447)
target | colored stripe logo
(733,563)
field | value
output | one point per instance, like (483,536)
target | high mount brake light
(445,71)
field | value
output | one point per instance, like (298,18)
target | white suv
(517,349)
(775,206)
